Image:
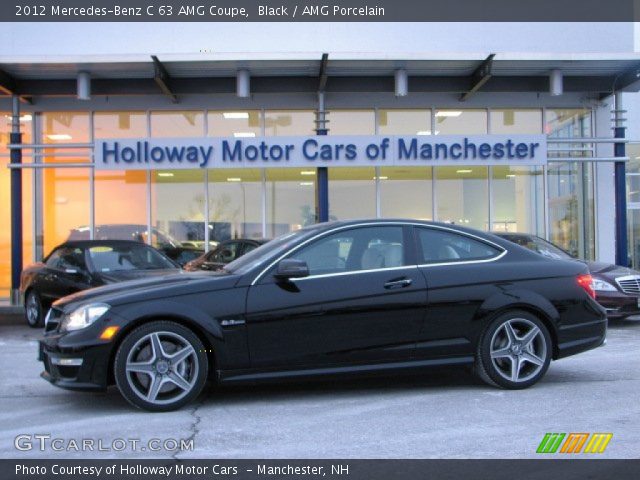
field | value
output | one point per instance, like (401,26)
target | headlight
(602,286)
(83,317)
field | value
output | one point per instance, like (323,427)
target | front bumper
(619,305)
(84,368)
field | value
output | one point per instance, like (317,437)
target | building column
(15,138)
(622,257)
(322,173)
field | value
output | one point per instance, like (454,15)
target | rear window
(441,246)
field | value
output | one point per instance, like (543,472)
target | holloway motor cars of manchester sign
(319,151)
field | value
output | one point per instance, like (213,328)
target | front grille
(53,319)
(629,284)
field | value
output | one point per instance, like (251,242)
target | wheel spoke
(501,353)
(140,367)
(530,336)
(515,367)
(532,358)
(511,333)
(156,346)
(181,355)
(154,387)
(178,380)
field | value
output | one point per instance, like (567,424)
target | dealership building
(206,132)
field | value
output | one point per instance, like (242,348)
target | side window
(365,248)
(439,246)
(226,253)
(248,247)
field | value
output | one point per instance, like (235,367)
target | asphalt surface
(440,414)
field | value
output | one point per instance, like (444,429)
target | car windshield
(539,245)
(112,258)
(255,257)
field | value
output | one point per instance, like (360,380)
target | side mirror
(291,268)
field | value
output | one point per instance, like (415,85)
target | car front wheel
(33,309)
(515,351)
(161,366)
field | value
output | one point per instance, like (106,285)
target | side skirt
(238,376)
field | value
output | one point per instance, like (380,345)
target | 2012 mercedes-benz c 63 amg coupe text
(334,298)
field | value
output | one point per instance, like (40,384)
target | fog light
(109,332)
(66,362)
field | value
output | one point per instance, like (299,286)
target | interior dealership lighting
(59,136)
(306,184)
(402,82)
(308,172)
(511,175)
(555,83)
(23,118)
(243,84)
(165,174)
(448,113)
(234,179)
(84,86)
(464,171)
(235,115)
(244,134)
(381,178)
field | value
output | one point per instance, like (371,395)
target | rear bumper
(580,337)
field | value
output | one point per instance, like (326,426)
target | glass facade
(194,206)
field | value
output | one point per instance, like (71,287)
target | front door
(363,301)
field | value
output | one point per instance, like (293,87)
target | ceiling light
(308,172)
(23,118)
(424,132)
(306,184)
(511,176)
(464,171)
(165,174)
(59,136)
(381,178)
(244,134)
(448,113)
(235,115)
(234,179)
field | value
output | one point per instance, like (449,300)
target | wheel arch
(208,338)
(523,300)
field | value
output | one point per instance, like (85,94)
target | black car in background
(78,265)
(182,254)
(617,288)
(224,253)
(334,298)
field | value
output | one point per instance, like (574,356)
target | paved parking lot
(443,414)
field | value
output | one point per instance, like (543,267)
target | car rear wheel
(33,310)
(161,366)
(515,351)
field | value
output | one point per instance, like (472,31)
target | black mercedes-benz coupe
(80,264)
(335,298)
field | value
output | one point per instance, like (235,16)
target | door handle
(403,282)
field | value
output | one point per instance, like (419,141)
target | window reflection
(404,122)
(518,199)
(462,196)
(406,192)
(460,122)
(291,199)
(234,123)
(177,124)
(289,122)
(516,121)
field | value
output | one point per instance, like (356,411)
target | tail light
(586,282)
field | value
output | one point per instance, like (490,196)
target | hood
(150,288)
(610,270)
(124,275)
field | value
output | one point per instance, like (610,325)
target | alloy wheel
(162,367)
(518,350)
(33,309)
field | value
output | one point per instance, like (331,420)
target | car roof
(92,243)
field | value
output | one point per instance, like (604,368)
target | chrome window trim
(353,272)
(390,223)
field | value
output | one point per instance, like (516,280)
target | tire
(514,351)
(161,366)
(33,311)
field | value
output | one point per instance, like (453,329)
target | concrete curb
(12,316)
